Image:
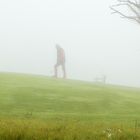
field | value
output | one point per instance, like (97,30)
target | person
(60,61)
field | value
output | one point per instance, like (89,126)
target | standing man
(60,61)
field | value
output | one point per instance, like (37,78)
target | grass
(54,130)
(43,108)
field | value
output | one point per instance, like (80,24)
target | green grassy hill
(47,98)
(42,108)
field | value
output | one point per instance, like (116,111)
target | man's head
(58,46)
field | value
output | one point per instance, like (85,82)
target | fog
(95,41)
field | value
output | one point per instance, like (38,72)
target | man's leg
(55,70)
(64,70)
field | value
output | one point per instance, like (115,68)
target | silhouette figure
(60,61)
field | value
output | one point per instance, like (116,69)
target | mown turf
(41,100)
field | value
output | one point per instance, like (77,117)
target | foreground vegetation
(59,130)
(42,108)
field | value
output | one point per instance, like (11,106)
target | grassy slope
(42,108)
(43,97)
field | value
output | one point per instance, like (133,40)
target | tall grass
(65,130)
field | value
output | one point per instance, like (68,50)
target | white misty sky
(96,42)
